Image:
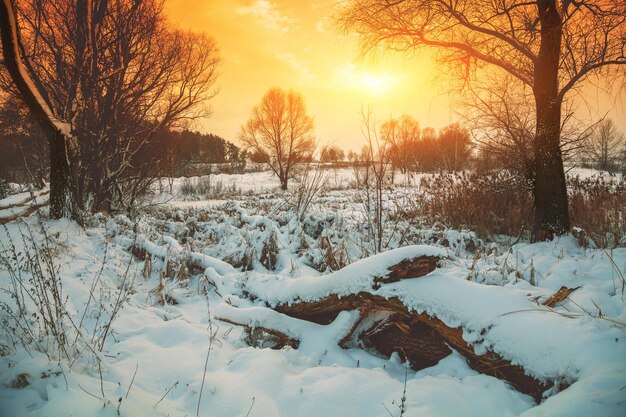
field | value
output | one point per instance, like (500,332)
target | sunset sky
(294,44)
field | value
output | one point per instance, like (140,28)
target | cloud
(268,15)
(302,69)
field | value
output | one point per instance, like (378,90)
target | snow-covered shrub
(269,252)
(33,305)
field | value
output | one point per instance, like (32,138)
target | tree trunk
(283,182)
(62,197)
(550,191)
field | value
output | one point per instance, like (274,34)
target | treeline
(409,148)
(190,153)
(402,143)
(24,153)
(415,149)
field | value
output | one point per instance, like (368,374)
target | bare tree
(454,146)
(549,45)
(58,132)
(503,125)
(371,177)
(605,147)
(503,121)
(280,132)
(403,137)
(120,76)
(332,153)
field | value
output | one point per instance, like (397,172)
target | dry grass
(598,206)
(485,203)
(497,203)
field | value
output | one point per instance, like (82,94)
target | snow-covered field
(169,275)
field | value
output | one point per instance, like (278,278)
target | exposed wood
(488,363)
(559,296)
(413,340)
(410,268)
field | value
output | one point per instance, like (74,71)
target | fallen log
(420,339)
(385,325)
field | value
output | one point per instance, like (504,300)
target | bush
(500,203)
(33,311)
(487,203)
(598,205)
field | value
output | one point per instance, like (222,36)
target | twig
(569,316)
(131,382)
(546,310)
(250,409)
(403,399)
(168,391)
(616,269)
(101,382)
(383,404)
(208,354)
(89,393)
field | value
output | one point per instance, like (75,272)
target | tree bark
(62,197)
(550,190)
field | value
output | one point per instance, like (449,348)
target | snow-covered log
(387,326)
(386,323)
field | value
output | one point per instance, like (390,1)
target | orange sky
(293,44)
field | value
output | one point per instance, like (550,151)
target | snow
(495,298)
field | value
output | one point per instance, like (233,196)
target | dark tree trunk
(62,197)
(283,182)
(550,192)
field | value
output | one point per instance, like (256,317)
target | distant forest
(24,150)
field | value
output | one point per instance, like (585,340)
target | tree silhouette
(605,147)
(118,75)
(62,195)
(280,131)
(549,45)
